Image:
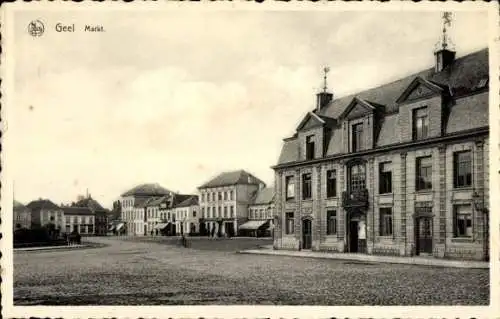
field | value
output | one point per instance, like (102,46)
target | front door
(230,229)
(353,236)
(423,232)
(306,234)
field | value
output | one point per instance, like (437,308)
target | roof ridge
(404,77)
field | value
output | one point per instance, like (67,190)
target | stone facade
(424,210)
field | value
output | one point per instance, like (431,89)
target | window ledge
(331,235)
(307,200)
(458,189)
(462,240)
(424,191)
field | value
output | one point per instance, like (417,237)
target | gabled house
(100,214)
(133,209)
(400,169)
(44,212)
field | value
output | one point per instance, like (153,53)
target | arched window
(357,179)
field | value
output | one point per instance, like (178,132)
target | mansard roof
(463,76)
(465,81)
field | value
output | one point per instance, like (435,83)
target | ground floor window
(462,221)
(290,223)
(385,221)
(331,222)
(82,229)
(91,229)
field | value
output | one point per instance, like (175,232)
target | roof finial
(446,22)
(325,70)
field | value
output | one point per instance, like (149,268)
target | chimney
(444,58)
(322,100)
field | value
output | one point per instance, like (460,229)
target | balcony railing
(356,198)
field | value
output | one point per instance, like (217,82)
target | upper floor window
(306,186)
(231,209)
(385,178)
(357,177)
(225,195)
(289,187)
(424,173)
(462,169)
(194,213)
(230,195)
(310,147)
(420,123)
(331,183)
(219,195)
(225,211)
(213,196)
(203,212)
(357,137)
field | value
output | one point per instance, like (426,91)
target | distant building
(187,215)
(260,214)
(22,216)
(80,219)
(133,210)
(169,221)
(100,213)
(152,214)
(224,201)
(44,211)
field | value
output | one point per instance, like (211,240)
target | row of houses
(86,216)
(231,204)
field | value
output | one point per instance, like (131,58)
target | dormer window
(357,137)
(420,123)
(310,147)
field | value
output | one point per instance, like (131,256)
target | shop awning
(161,226)
(119,226)
(253,225)
(112,228)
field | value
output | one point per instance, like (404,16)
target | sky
(176,97)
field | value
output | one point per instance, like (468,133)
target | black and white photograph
(249,155)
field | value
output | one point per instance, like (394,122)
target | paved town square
(126,271)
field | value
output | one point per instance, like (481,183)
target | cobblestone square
(138,272)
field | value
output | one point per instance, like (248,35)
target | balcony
(358,198)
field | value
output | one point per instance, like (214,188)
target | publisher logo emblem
(36,28)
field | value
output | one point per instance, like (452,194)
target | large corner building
(401,169)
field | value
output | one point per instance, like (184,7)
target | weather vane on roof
(446,22)
(325,70)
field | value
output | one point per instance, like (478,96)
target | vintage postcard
(236,159)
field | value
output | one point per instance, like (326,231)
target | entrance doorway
(230,229)
(306,234)
(423,234)
(353,236)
